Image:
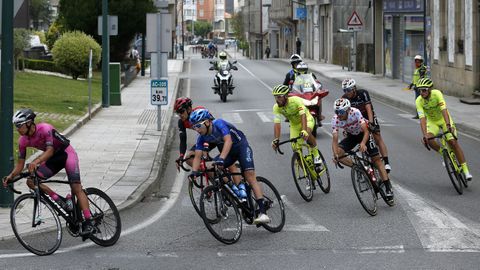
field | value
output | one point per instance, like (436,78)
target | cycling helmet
(302,68)
(295,58)
(222,55)
(341,104)
(280,90)
(182,103)
(23,116)
(200,115)
(424,83)
(418,57)
(348,84)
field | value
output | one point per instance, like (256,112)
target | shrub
(21,40)
(71,53)
(44,65)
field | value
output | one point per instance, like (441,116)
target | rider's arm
(368,106)
(196,160)
(18,168)
(304,121)
(287,79)
(227,145)
(182,132)
(423,126)
(366,133)
(277,128)
(335,144)
(44,156)
(443,106)
(421,115)
(445,117)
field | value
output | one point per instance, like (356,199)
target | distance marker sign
(159,92)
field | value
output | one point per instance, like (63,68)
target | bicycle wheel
(364,190)
(301,178)
(273,205)
(105,216)
(46,236)
(452,173)
(221,215)
(323,179)
(194,193)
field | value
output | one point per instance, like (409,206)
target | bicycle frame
(445,146)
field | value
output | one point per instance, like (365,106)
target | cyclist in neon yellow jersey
(433,113)
(301,121)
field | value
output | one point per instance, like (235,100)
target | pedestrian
(136,58)
(267,52)
(299,45)
(420,71)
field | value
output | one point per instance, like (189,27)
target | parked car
(37,49)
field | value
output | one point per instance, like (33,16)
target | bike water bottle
(69,202)
(235,190)
(371,174)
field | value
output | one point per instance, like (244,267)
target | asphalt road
(430,227)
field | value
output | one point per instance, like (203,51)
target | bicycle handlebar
(15,179)
(425,143)
(284,142)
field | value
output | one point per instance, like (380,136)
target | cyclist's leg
(377,135)
(433,129)
(346,145)
(456,147)
(48,169)
(73,173)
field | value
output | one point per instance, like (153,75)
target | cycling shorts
(434,127)
(296,129)
(351,141)
(243,153)
(67,159)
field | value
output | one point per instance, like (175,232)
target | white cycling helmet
(348,84)
(418,57)
(295,58)
(302,68)
(341,104)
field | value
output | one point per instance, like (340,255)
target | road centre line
(258,79)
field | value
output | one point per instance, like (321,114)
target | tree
(40,12)
(82,15)
(202,28)
(237,25)
(21,41)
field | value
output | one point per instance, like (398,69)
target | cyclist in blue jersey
(233,146)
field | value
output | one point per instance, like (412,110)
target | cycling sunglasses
(347,90)
(180,111)
(423,89)
(199,125)
(340,112)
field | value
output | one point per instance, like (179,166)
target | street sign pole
(6,100)
(105,55)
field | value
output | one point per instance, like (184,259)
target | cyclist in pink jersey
(57,154)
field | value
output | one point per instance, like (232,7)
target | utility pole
(6,100)
(183,32)
(105,55)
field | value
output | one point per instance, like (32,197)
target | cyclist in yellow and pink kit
(433,113)
(57,154)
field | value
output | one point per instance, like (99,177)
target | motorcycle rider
(290,76)
(222,56)
(300,85)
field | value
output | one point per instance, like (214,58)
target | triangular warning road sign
(354,20)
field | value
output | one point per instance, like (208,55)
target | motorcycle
(311,91)
(223,80)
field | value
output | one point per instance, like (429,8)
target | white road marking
(265,118)
(385,249)
(249,110)
(233,118)
(438,230)
(269,88)
(310,223)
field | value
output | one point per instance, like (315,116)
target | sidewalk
(120,149)
(392,92)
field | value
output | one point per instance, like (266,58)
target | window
(201,13)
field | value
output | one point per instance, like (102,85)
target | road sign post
(159,97)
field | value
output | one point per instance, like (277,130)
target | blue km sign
(159,92)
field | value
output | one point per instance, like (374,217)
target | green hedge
(36,64)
